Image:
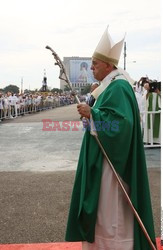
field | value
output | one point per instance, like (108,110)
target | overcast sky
(74,28)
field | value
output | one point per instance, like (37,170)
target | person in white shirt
(6,106)
(152,103)
(1,107)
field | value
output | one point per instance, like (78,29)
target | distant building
(79,72)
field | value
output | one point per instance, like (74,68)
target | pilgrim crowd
(13,105)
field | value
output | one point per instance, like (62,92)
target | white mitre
(108,51)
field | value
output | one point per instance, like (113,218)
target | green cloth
(150,102)
(123,144)
(156,117)
(156,124)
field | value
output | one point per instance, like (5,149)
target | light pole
(21,85)
(125,55)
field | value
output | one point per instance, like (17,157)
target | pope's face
(100,69)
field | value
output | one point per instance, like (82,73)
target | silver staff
(63,76)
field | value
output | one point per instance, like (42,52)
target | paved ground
(37,173)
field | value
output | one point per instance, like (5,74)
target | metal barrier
(26,107)
(148,138)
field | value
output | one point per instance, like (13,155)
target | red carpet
(53,246)
(42,246)
(159,247)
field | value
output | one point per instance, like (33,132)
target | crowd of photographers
(14,105)
(148,95)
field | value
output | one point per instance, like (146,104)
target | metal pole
(125,55)
(21,86)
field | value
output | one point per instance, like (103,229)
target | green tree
(56,90)
(11,88)
(26,91)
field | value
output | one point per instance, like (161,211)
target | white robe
(114,225)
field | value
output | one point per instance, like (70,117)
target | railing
(13,111)
(148,139)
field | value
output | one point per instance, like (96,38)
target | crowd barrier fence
(13,111)
(148,138)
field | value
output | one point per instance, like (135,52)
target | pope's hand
(84,110)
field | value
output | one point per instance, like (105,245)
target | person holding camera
(152,100)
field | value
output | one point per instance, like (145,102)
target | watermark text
(49,125)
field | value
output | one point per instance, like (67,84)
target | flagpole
(66,79)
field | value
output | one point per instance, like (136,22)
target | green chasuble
(117,122)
